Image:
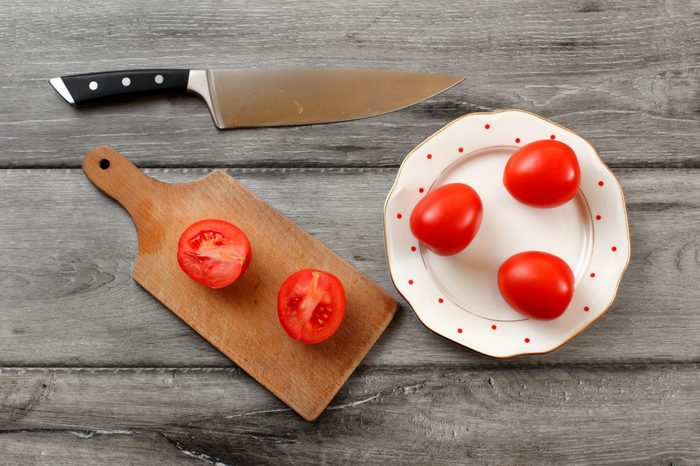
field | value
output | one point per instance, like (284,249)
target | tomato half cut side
(311,305)
(213,252)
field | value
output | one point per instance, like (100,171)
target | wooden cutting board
(241,320)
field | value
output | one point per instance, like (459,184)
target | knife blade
(282,97)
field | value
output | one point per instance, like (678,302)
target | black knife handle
(88,87)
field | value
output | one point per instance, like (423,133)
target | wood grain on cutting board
(241,320)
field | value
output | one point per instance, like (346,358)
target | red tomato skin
(536,284)
(543,174)
(447,219)
(210,278)
(298,286)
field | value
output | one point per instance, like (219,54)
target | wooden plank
(68,299)
(624,76)
(117,446)
(241,320)
(490,415)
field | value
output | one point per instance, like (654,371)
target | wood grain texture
(69,299)
(539,415)
(241,320)
(624,75)
(117,446)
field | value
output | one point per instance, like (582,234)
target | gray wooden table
(94,370)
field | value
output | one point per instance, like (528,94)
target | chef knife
(283,97)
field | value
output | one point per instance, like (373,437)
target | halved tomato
(213,252)
(311,305)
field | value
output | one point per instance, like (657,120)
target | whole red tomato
(447,218)
(543,174)
(311,305)
(536,284)
(213,252)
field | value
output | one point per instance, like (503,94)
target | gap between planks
(505,365)
(206,168)
(311,167)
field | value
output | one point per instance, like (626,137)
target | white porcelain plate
(457,296)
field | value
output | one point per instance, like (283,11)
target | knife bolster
(198,83)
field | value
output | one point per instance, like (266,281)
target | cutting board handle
(120,179)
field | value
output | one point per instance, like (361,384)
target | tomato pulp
(536,284)
(213,252)
(311,305)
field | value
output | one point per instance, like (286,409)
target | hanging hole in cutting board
(104,164)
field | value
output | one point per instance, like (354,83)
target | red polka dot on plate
(461,149)
(413,248)
(586,308)
(459,330)
(614,248)
(421,190)
(430,156)
(440,300)
(517,140)
(527,340)
(410,282)
(598,217)
(399,216)
(600,183)
(592,274)
(493,327)
(552,137)
(487,126)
